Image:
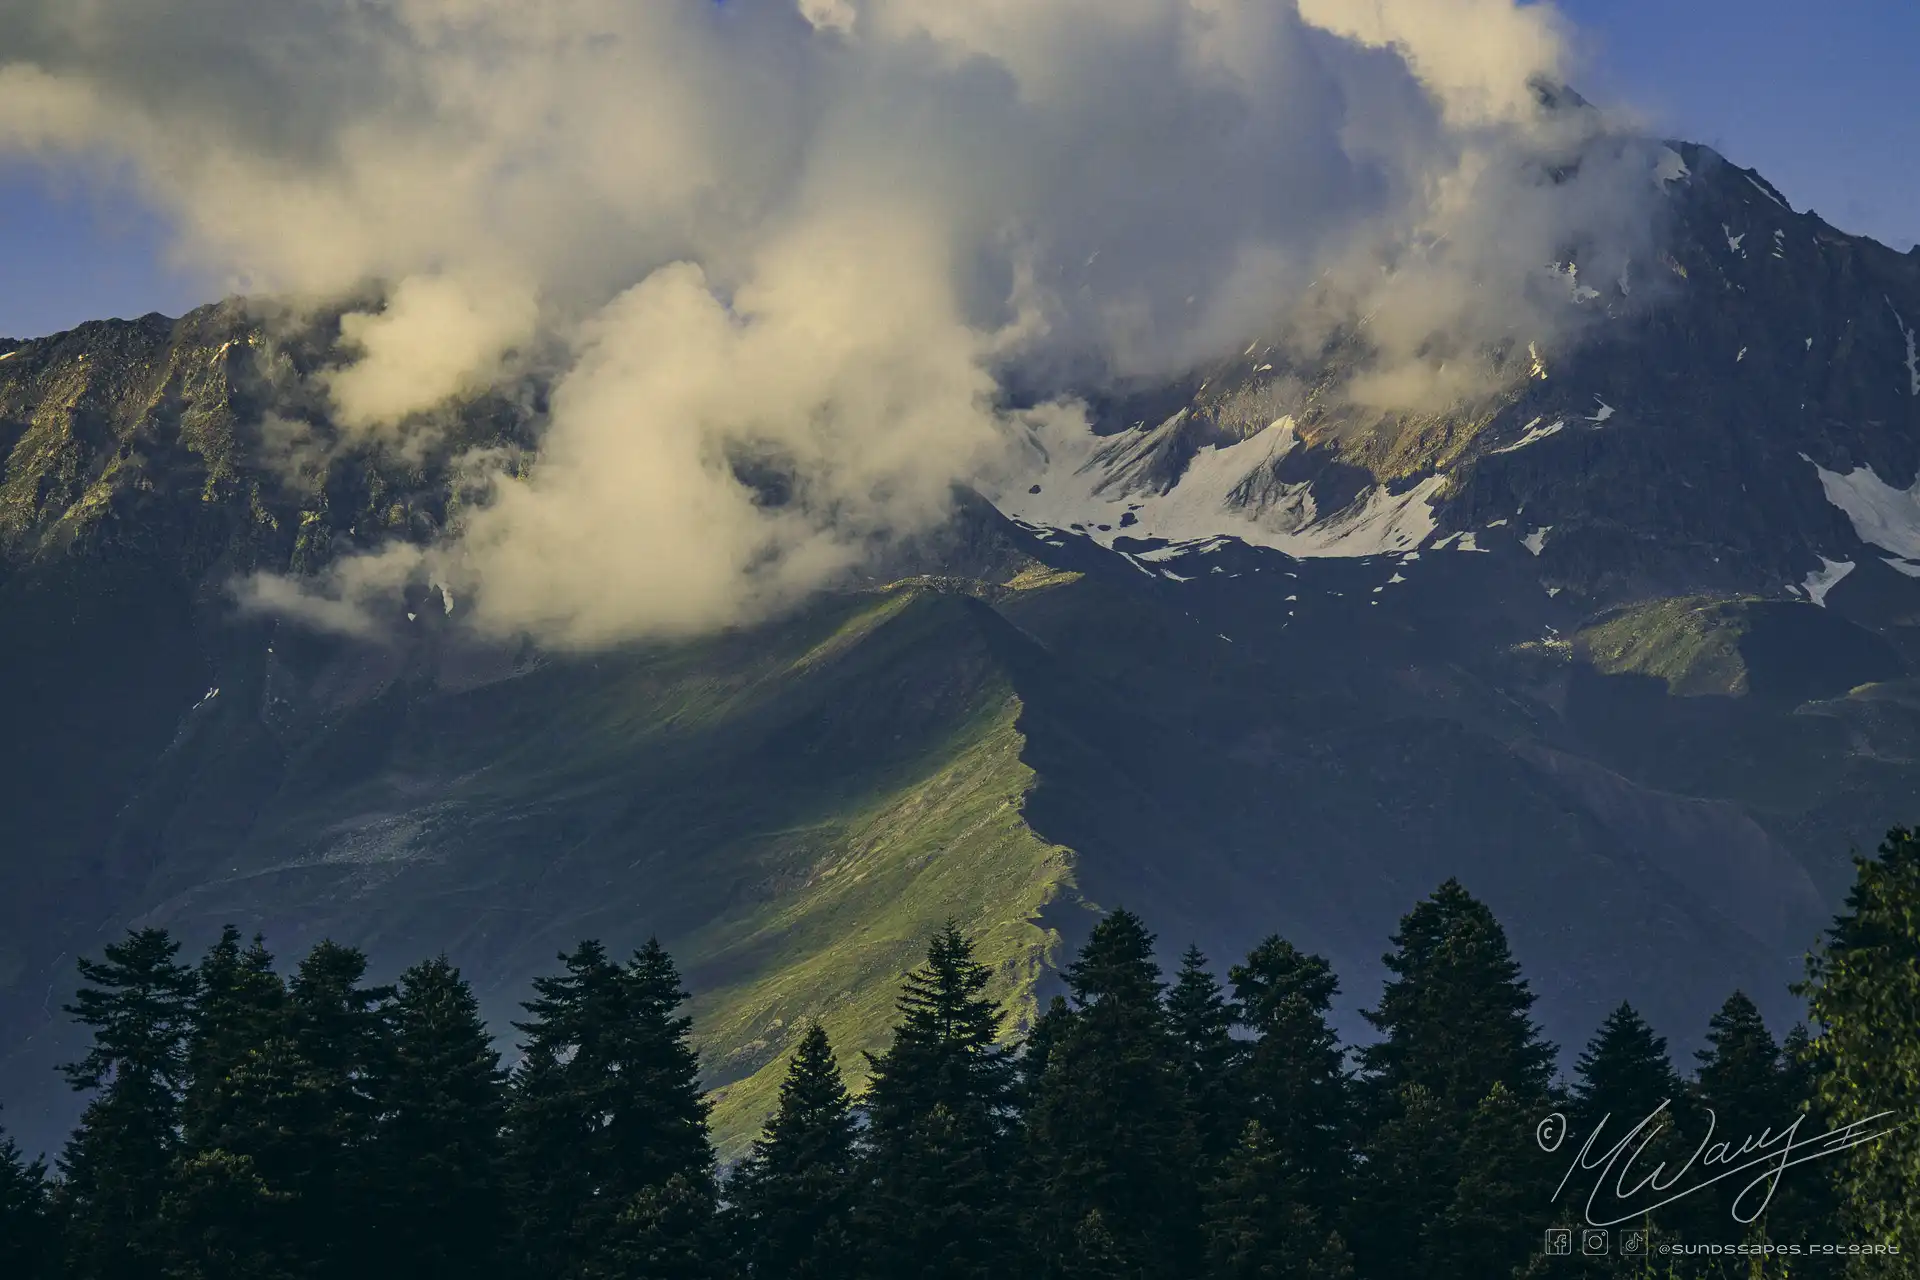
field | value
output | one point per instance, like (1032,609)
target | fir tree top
(1279,982)
(443,1056)
(1197,1004)
(1741,1075)
(1201,1019)
(1624,1072)
(813,1124)
(1116,963)
(566,1006)
(1293,1077)
(1454,1017)
(241,1004)
(943,1050)
(139,1007)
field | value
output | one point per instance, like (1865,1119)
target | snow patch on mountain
(1467,541)
(1570,272)
(1670,167)
(1120,487)
(1173,551)
(1825,578)
(1534,434)
(1881,515)
(1768,194)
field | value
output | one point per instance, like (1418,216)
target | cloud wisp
(817,237)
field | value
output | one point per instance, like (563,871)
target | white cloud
(436,337)
(817,235)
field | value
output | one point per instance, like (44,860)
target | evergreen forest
(245,1122)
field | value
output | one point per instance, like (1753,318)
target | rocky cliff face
(1625,647)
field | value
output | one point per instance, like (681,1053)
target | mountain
(1628,645)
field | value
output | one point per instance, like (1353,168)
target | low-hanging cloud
(812,237)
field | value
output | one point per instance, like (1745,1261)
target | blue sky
(1822,98)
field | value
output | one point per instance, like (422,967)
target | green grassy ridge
(849,864)
(793,808)
(875,883)
(852,862)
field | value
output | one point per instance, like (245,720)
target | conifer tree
(606,1104)
(1256,1226)
(440,1154)
(1454,1018)
(239,1005)
(1863,990)
(1741,1075)
(27,1239)
(1743,1089)
(280,1177)
(340,1027)
(1454,1023)
(1624,1073)
(1293,1079)
(1742,1092)
(1206,1055)
(660,1129)
(1108,1132)
(1622,1078)
(556,1106)
(338,1056)
(115,1167)
(937,1201)
(793,1196)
